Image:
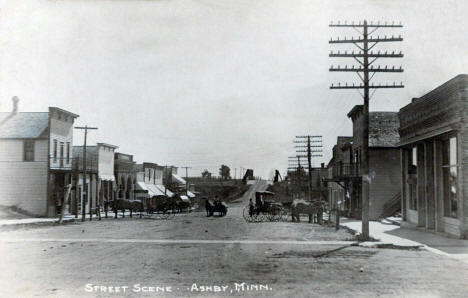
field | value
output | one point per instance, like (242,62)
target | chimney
(15,100)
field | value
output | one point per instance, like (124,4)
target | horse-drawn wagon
(265,208)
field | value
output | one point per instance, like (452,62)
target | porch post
(421,186)
(429,181)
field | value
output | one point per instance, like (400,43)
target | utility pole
(365,67)
(317,144)
(186,179)
(87,189)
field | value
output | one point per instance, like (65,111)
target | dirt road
(195,255)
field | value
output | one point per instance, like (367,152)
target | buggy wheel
(270,215)
(278,214)
(260,217)
(246,214)
(284,215)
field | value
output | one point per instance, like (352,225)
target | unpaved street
(179,257)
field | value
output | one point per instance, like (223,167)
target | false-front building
(35,159)
(434,158)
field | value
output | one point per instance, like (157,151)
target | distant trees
(206,174)
(224,172)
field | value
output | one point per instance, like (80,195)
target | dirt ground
(192,251)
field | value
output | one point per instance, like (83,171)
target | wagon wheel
(245,213)
(271,215)
(284,215)
(278,214)
(259,217)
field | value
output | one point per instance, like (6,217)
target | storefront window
(450,176)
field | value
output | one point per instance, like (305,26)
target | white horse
(301,206)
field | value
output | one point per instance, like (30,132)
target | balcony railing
(346,170)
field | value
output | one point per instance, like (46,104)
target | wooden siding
(23,184)
(385,163)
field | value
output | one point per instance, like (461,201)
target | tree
(224,172)
(206,174)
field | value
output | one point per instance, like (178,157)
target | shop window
(28,150)
(450,176)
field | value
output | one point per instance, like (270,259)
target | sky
(202,83)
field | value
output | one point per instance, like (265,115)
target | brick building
(434,158)
(35,159)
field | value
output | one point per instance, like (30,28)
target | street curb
(375,243)
(10,227)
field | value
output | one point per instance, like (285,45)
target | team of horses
(313,209)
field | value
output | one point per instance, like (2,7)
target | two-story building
(125,176)
(149,181)
(434,159)
(384,165)
(35,159)
(340,167)
(100,179)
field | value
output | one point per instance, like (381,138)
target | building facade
(384,166)
(339,168)
(125,176)
(35,159)
(100,179)
(434,158)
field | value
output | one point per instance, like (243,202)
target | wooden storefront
(434,156)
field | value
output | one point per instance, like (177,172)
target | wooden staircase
(392,207)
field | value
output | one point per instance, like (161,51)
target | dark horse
(211,208)
(123,205)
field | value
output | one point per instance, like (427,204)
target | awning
(178,179)
(107,177)
(140,187)
(154,190)
(185,199)
(190,194)
(167,192)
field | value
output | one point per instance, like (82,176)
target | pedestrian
(251,207)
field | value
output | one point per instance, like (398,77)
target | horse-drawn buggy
(265,208)
(161,206)
(215,206)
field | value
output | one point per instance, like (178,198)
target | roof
(383,129)
(24,125)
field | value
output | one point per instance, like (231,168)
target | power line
(365,43)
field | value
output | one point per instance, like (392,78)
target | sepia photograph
(233,148)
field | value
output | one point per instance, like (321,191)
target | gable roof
(383,129)
(25,125)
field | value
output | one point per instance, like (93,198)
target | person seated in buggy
(259,202)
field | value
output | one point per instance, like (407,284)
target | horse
(209,208)
(219,207)
(300,206)
(123,205)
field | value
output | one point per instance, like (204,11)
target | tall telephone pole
(364,42)
(87,189)
(314,147)
(186,179)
